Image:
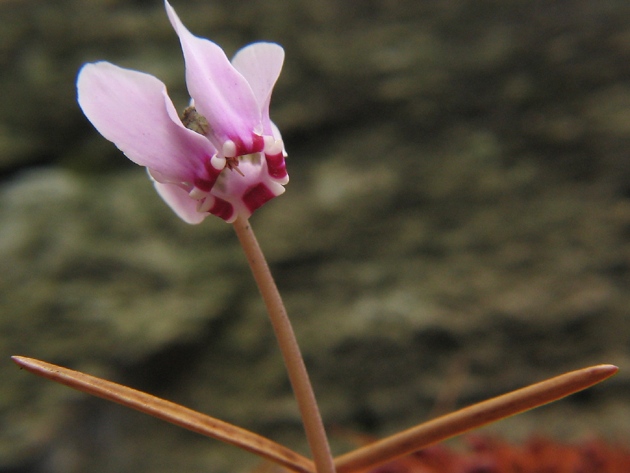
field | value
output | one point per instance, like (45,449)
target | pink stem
(293,360)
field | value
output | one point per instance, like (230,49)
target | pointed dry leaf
(170,412)
(477,415)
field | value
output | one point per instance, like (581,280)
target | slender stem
(447,426)
(293,360)
(170,412)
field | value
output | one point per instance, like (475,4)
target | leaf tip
(607,370)
(20,360)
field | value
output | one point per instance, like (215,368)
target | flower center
(196,122)
(230,156)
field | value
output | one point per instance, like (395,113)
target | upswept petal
(221,94)
(132,110)
(180,202)
(261,63)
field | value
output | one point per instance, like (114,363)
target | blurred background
(456,226)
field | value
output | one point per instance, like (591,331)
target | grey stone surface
(456,226)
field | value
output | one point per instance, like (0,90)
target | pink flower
(225,156)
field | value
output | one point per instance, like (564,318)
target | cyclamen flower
(224,156)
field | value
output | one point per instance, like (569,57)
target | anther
(194,121)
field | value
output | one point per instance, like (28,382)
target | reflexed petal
(132,110)
(221,94)
(260,64)
(181,203)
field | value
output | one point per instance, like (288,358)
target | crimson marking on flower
(257,196)
(221,208)
(224,146)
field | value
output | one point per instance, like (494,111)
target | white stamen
(217,162)
(229,149)
(273,146)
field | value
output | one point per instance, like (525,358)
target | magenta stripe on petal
(276,165)
(222,208)
(257,196)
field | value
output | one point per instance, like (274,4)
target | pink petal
(220,92)
(260,64)
(132,110)
(181,203)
